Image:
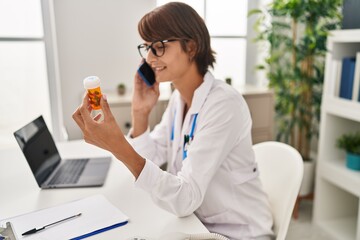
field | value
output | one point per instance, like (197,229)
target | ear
(191,48)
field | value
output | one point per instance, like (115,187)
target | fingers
(105,107)
(85,109)
(78,119)
(138,81)
(82,113)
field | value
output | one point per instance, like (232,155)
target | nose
(150,57)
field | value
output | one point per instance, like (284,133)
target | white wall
(96,37)
(255,51)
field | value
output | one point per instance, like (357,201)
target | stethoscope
(187,137)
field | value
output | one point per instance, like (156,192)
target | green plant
(121,88)
(121,85)
(349,142)
(295,32)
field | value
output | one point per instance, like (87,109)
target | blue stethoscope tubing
(187,138)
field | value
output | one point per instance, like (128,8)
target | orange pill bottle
(92,85)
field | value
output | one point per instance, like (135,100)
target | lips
(158,69)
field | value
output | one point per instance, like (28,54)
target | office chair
(281,172)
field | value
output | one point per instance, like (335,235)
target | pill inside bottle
(92,85)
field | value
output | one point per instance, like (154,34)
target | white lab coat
(218,180)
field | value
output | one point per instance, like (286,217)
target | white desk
(19,193)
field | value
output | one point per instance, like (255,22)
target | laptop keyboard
(69,172)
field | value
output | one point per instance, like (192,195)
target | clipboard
(97,215)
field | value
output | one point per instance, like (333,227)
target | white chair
(281,172)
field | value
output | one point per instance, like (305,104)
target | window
(227,24)
(23,67)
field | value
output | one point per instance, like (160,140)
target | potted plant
(295,32)
(121,88)
(351,144)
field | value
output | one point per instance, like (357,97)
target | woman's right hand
(144,100)
(144,97)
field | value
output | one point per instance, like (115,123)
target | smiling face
(173,65)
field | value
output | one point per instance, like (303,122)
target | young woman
(204,136)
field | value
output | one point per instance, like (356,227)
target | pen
(35,230)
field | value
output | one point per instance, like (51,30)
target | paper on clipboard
(97,213)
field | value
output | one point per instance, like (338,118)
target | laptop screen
(39,148)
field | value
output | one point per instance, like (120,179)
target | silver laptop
(50,171)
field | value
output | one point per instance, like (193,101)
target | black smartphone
(147,74)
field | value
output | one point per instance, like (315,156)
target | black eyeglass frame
(153,50)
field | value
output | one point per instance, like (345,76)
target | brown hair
(179,20)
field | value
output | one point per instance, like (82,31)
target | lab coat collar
(201,93)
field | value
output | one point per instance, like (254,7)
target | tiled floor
(302,228)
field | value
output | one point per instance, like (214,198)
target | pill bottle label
(95,96)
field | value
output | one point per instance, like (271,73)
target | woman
(204,136)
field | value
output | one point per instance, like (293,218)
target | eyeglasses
(157,48)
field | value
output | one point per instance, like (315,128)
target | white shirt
(218,180)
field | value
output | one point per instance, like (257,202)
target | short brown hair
(179,20)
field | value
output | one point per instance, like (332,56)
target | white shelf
(344,228)
(338,174)
(341,107)
(345,36)
(337,190)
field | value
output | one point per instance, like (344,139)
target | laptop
(49,170)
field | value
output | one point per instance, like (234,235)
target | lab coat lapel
(176,147)
(181,129)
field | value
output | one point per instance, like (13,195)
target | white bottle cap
(91,82)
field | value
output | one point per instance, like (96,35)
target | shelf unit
(337,189)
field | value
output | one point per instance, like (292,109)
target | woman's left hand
(106,134)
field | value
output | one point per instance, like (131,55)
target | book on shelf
(347,77)
(356,85)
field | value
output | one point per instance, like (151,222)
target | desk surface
(19,194)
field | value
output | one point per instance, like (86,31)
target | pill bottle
(92,85)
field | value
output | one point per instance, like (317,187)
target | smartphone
(147,74)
